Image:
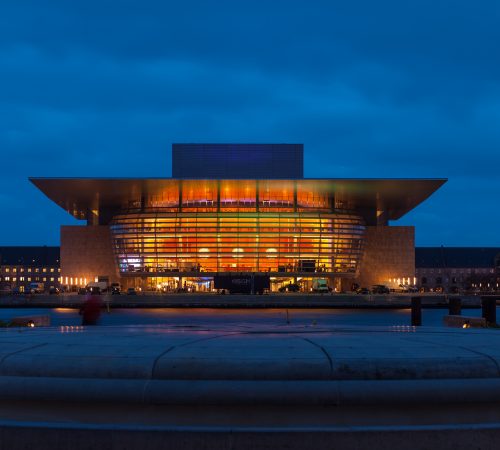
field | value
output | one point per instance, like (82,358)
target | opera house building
(237,211)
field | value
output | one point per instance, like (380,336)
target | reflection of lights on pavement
(64,310)
(71,328)
(404,328)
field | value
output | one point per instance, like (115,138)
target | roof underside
(393,196)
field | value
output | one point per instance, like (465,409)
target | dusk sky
(371,88)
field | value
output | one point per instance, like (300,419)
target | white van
(320,285)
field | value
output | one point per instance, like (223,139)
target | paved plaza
(250,377)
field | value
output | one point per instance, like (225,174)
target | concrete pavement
(280,386)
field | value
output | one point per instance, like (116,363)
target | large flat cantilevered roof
(393,196)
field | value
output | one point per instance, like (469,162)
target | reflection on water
(65,317)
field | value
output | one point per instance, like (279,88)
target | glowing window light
(271,253)
(237,252)
(203,252)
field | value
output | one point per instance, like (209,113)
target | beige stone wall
(86,252)
(389,253)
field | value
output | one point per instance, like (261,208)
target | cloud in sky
(372,89)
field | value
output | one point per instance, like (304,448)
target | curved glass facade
(163,241)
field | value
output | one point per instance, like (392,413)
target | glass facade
(159,241)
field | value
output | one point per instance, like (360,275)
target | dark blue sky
(372,89)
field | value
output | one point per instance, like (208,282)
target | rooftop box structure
(237,161)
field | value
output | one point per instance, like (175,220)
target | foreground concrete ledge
(464,321)
(250,365)
(250,393)
(250,353)
(248,387)
(79,437)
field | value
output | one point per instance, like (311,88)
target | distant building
(242,212)
(458,268)
(20,266)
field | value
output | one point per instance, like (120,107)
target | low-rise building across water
(24,266)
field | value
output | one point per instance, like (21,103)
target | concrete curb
(79,437)
(222,392)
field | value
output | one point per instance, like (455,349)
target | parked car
(101,285)
(380,289)
(36,288)
(292,287)
(82,291)
(6,290)
(131,291)
(54,291)
(405,288)
(363,291)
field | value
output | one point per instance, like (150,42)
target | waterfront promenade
(249,386)
(199,300)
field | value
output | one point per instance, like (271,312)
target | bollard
(489,309)
(416,311)
(455,306)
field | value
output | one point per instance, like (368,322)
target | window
(14,269)
(21,278)
(51,278)
(37,269)
(51,269)
(424,280)
(29,269)
(44,278)
(29,278)
(21,269)
(44,269)
(7,278)
(7,269)
(439,280)
(59,269)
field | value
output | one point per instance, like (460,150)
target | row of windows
(240,193)
(15,269)
(28,279)
(440,280)
(457,271)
